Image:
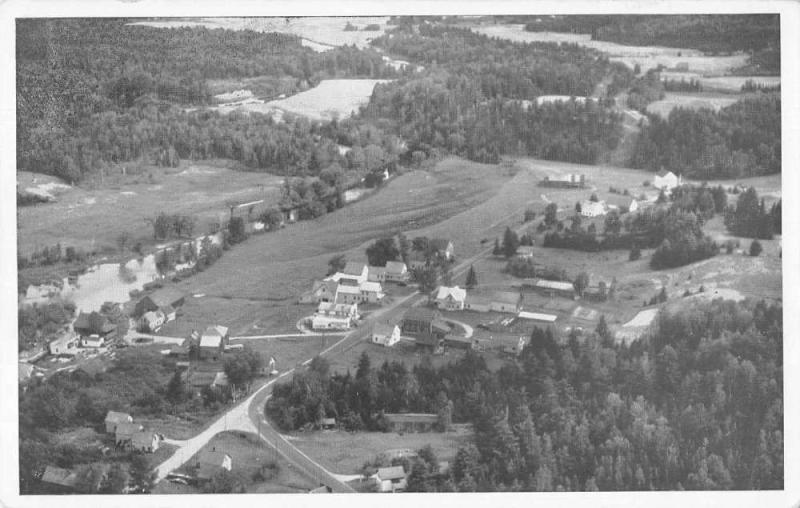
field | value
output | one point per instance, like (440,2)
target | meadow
(93,218)
(690,100)
(346,452)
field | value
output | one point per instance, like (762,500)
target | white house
(335,316)
(666,180)
(371,292)
(152,320)
(396,271)
(321,291)
(364,292)
(593,208)
(93,340)
(525,251)
(391,479)
(213,339)
(633,206)
(145,441)
(450,298)
(386,334)
(67,344)
(114,418)
(338,310)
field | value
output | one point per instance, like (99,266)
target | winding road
(248,415)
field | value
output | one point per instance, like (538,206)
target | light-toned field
(345,452)
(648,57)
(688,100)
(728,84)
(281,265)
(325,31)
(94,218)
(332,98)
(248,456)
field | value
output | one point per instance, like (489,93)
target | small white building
(593,208)
(67,344)
(391,479)
(386,335)
(450,298)
(537,316)
(525,251)
(145,441)
(666,180)
(633,206)
(152,320)
(93,341)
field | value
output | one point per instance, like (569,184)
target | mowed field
(694,101)
(346,452)
(727,84)
(94,218)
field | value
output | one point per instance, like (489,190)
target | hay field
(92,218)
(694,101)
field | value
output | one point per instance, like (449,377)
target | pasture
(694,101)
(93,218)
(346,452)
(647,57)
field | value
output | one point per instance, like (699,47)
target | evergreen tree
(755,248)
(510,243)
(472,278)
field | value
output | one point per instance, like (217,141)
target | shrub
(755,248)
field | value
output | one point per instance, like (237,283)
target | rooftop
(165,296)
(535,316)
(421,314)
(455,292)
(552,284)
(391,473)
(354,268)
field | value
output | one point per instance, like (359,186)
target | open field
(332,98)
(346,452)
(324,31)
(93,218)
(729,84)
(648,57)
(687,100)
(248,455)
(281,265)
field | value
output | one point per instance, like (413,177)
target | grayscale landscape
(399,254)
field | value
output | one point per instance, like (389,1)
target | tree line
(88,103)
(695,406)
(743,139)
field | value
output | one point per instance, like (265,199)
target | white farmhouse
(386,334)
(593,208)
(666,180)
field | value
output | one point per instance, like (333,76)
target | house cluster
(130,435)
(334,316)
(591,208)
(157,309)
(90,330)
(437,247)
(356,283)
(456,298)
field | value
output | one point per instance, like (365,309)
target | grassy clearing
(725,84)
(248,456)
(93,218)
(332,98)
(345,453)
(404,351)
(279,266)
(694,101)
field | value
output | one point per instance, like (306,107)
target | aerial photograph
(392,254)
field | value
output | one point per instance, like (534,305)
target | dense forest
(94,92)
(741,140)
(755,33)
(475,98)
(697,406)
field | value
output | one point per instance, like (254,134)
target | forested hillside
(741,140)
(95,91)
(698,406)
(716,33)
(470,101)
